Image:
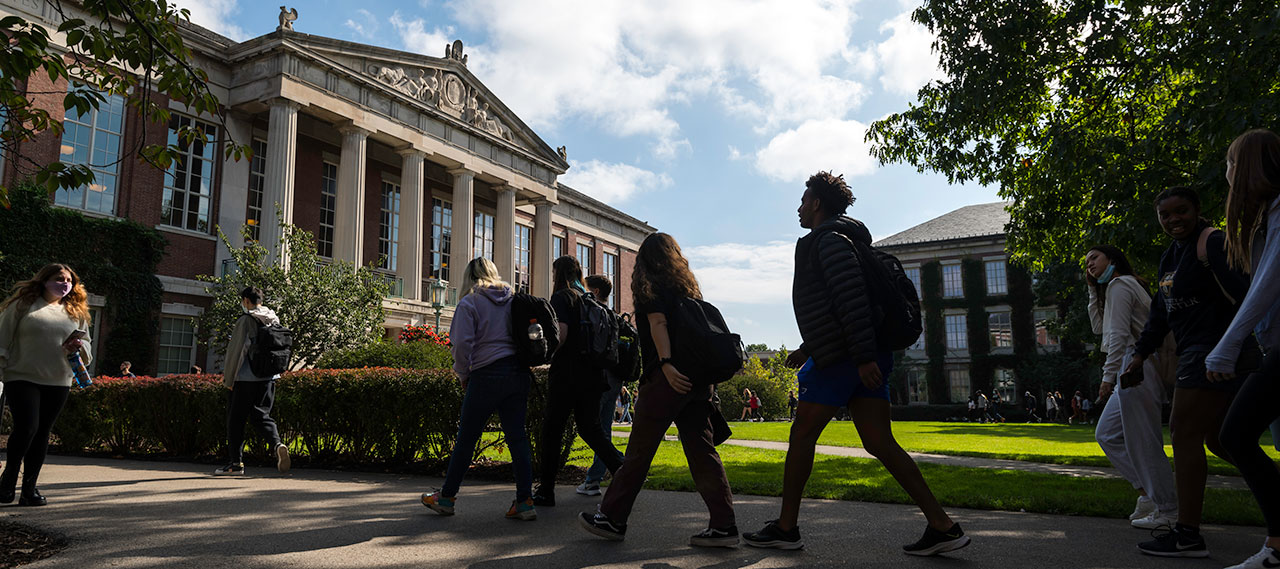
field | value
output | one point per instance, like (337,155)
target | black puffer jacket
(830,296)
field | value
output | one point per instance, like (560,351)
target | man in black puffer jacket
(842,366)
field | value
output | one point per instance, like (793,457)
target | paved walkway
(133,515)
(1214,481)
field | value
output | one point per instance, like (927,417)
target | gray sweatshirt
(246,331)
(481,330)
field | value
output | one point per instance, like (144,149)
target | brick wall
(373,208)
(307,180)
(626,264)
(43,148)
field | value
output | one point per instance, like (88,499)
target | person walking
(982,402)
(842,364)
(126,369)
(755,408)
(1196,300)
(1253,245)
(575,385)
(791,405)
(251,397)
(1029,401)
(660,281)
(601,287)
(484,359)
(44,320)
(1130,430)
(1076,409)
(746,404)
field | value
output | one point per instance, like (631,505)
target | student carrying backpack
(259,350)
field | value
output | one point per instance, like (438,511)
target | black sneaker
(232,469)
(600,525)
(541,499)
(1181,541)
(934,542)
(712,537)
(775,537)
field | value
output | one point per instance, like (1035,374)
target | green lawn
(1047,443)
(759,472)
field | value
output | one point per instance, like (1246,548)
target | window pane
(997,280)
(952,283)
(92,140)
(192,173)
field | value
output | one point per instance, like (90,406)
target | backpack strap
(1202,253)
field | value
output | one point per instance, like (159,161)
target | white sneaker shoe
(1156,520)
(282,458)
(1266,558)
(589,489)
(1143,509)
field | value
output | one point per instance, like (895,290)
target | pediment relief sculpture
(445,91)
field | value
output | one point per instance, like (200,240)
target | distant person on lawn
(251,397)
(841,364)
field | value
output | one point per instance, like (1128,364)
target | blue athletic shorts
(839,382)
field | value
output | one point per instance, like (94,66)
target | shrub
(769,380)
(413,355)
(423,333)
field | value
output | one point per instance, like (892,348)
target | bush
(371,416)
(413,355)
(771,381)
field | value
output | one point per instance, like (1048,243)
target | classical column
(348,230)
(504,233)
(409,262)
(282,154)
(460,244)
(234,199)
(542,249)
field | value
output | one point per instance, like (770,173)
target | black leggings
(252,401)
(1255,407)
(34,408)
(585,408)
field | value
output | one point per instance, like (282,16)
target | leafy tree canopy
(1081,111)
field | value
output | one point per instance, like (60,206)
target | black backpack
(896,305)
(525,310)
(271,350)
(598,330)
(628,368)
(702,347)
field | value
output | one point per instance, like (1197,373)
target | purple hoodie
(481,330)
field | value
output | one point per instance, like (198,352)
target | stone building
(980,317)
(387,157)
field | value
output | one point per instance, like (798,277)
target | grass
(759,472)
(1047,443)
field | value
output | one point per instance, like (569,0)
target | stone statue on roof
(286,18)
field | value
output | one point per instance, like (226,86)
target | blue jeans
(608,404)
(501,386)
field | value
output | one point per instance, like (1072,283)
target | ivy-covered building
(980,317)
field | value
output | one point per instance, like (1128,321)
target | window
(917,386)
(585,254)
(958,380)
(328,208)
(952,283)
(188,189)
(177,345)
(1006,386)
(1043,337)
(997,281)
(257,182)
(95,326)
(557,247)
(389,228)
(524,250)
(1000,327)
(93,140)
(957,335)
(611,271)
(441,232)
(483,233)
(914,274)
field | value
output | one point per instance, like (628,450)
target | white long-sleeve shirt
(1120,322)
(31,343)
(1261,306)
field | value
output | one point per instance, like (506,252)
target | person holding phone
(44,319)
(1130,430)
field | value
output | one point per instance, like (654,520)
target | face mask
(59,289)
(1107,274)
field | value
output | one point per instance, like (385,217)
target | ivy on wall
(935,333)
(114,258)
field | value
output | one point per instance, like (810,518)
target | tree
(114,47)
(1082,110)
(328,306)
(757,348)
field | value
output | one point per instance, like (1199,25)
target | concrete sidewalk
(132,514)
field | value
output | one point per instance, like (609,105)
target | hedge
(411,355)
(367,417)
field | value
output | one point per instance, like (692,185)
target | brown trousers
(657,406)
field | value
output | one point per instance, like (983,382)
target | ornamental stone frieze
(445,91)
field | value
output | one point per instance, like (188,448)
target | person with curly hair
(841,364)
(44,320)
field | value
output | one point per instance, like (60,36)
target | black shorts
(1191,368)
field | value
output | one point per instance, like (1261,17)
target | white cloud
(215,15)
(906,59)
(734,154)
(611,182)
(835,145)
(414,35)
(367,26)
(744,273)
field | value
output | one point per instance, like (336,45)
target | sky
(701,118)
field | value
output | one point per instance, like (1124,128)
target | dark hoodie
(1189,302)
(830,296)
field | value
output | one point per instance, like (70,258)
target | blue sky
(703,118)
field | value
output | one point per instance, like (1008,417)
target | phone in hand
(77,335)
(1132,378)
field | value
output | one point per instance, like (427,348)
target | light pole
(438,289)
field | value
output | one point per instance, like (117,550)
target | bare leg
(1196,420)
(871,417)
(811,419)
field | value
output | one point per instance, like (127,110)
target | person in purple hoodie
(484,357)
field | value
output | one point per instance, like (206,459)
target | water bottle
(535,330)
(77,369)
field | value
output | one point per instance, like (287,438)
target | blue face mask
(1107,274)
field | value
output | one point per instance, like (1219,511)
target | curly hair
(76,302)
(661,268)
(832,192)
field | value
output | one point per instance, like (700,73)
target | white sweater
(1127,307)
(31,344)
